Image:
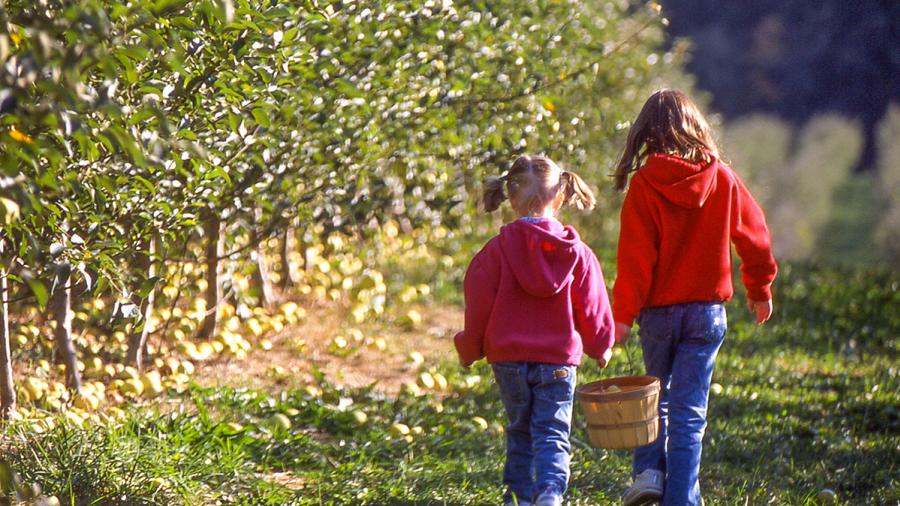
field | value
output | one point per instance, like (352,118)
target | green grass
(848,236)
(810,401)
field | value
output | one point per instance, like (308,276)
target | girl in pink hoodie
(535,302)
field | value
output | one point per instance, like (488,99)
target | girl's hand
(761,308)
(623,332)
(603,361)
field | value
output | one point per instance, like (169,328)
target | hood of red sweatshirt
(542,255)
(681,182)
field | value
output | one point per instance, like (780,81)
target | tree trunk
(137,342)
(262,282)
(288,279)
(304,253)
(214,232)
(7,387)
(60,308)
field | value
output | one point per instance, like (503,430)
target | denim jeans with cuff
(680,344)
(538,399)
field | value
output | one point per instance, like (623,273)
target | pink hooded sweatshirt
(535,293)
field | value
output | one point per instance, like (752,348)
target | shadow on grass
(793,446)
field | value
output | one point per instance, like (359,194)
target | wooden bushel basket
(627,418)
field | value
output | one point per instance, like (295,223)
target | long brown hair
(535,181)
(669,123)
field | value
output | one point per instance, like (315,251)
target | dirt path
(300,349)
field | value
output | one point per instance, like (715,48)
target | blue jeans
(538,400)
(680,344)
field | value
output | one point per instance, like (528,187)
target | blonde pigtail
(577,192)
(493,194)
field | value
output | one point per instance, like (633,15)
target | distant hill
(795,58)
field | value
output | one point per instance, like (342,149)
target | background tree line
(808,95)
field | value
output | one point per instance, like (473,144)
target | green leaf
(39,291)
(261,117)
(146,182)
(218,172)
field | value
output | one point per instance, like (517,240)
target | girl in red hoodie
(535,301)
(683,210)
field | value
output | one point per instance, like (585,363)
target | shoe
(646,489)
(514,502)
(549,497)
(510,499)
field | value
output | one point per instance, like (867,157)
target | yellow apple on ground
(716,388)
(411,388)
(255,327)
(480,423)
(34,387)
(826,496)
(132,386)
(73,418)
(128,372)
(152,384)
(280,421)
(472,381)
(204,352)
(278,373)
(412,319)
(159,482)
(170,366)
(426,380)
(360,417)
(440,381)
(399,429)
(288,308)
(48,500)
(416,358)
(408,294)
(87,402)
(94,363)
(356,335)
(358,313)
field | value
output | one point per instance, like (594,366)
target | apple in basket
(612,389)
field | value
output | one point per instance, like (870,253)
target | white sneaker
(513,502)
(646,489)
(548,497)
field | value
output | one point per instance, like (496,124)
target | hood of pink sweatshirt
(535,293)
(541,255)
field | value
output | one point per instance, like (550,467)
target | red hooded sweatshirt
(678,222)
(535,293)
